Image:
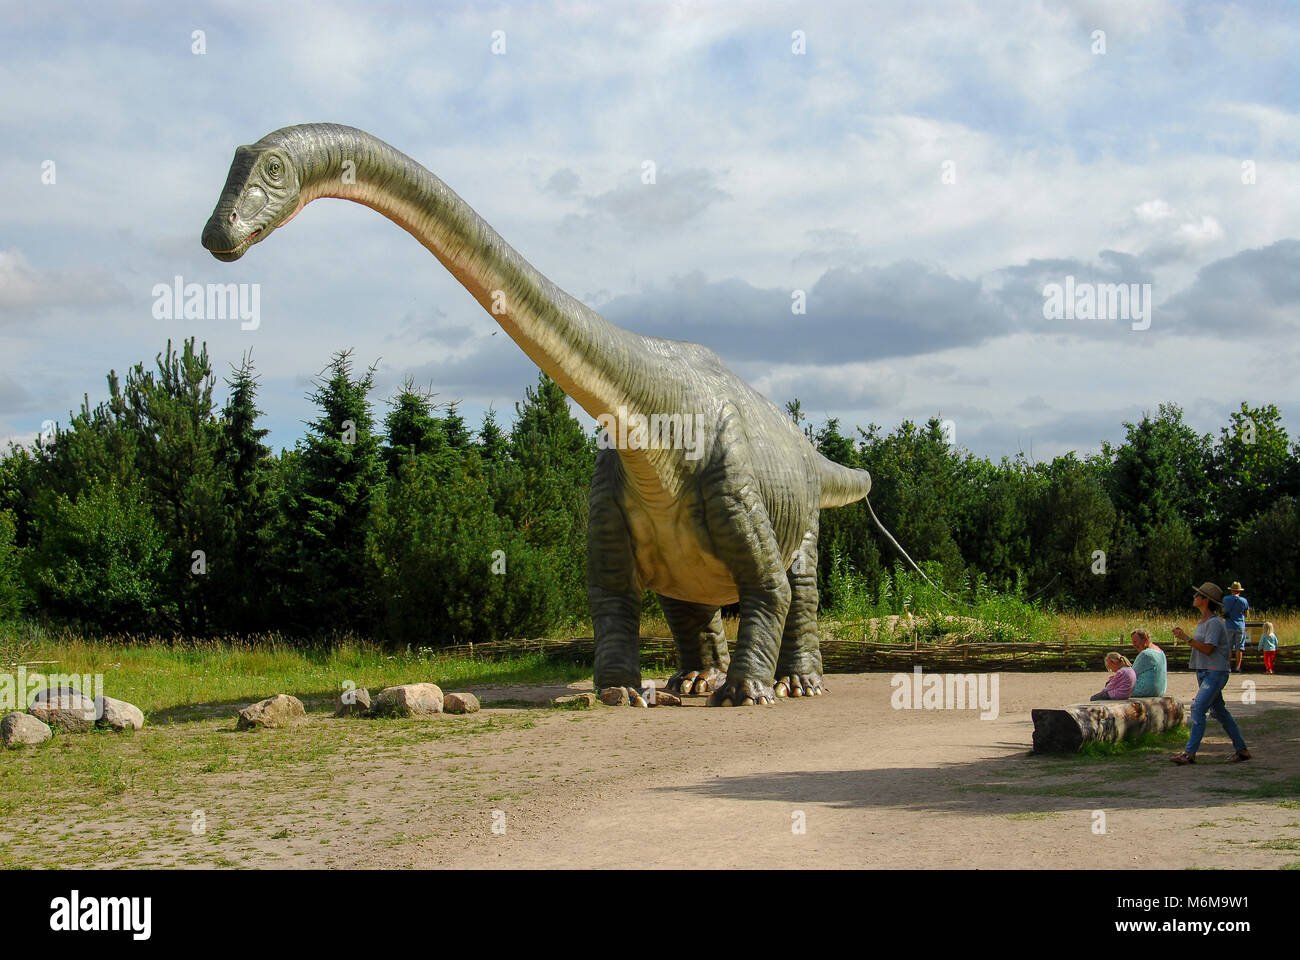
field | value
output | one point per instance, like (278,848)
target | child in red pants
(1268,647)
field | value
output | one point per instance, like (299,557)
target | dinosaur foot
(687,682)
(800,685)
(742,693)
(622,697)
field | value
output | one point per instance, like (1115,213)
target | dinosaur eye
(273,168)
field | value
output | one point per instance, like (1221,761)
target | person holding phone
(1211,648)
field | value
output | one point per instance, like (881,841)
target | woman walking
(1211,647)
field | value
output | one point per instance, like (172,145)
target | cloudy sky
(921,171)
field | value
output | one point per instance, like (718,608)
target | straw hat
(1236,585)
(1212,591)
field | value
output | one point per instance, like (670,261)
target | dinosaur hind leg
(799,664)
(742,536)
(701,645)
(613,590)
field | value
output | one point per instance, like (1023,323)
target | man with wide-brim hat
(1210,650)
(1234,617)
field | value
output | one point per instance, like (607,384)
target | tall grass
(158,674)
(972,610)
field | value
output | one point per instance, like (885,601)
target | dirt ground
(870,786)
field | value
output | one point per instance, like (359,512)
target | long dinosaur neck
(584,353)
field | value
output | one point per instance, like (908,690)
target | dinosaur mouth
(237,251)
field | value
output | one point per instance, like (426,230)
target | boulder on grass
(281,710)
(408,700)
(118,714)
(460,703)
(579,701)
(352,703)
(22,728)
(63,707)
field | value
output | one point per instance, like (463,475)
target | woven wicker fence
(859,656)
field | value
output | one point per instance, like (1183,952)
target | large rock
(352,703)
(281,710)
(614,696)
(23,728)
(63,707)
(460,703)
(408,700)
(579,701)
(662,698)
(118,714)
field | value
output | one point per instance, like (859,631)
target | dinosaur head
(262,192)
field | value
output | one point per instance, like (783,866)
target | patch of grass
(981,613)
(1029,815)
(189,680)
(1170,739)
(1287,787)
(1289,844)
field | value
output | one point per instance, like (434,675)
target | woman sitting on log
(1120,684)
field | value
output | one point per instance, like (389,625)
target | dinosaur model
(704,491)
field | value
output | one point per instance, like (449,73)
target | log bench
(1067,729)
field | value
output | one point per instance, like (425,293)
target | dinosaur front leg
(701,645)
(613,591)
(799,665)
(742,538)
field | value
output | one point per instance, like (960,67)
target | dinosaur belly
(673,559)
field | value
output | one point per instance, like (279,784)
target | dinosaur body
(719,504)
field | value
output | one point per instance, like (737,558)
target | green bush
(974,612)
(13,590)
(102,558)
(437,573)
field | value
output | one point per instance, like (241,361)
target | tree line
(158,511)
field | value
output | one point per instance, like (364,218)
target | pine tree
(171,415)
(243,573)
(335,483)
(493,443)
(411,430)
(556,459)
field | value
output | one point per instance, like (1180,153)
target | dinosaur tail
(841,485)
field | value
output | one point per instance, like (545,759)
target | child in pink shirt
(1121,681)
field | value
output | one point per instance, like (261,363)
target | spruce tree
(243,573)
(334,487)
(170,412)
(556,459)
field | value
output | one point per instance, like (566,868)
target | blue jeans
(1210,697)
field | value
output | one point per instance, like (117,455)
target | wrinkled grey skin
(727,516)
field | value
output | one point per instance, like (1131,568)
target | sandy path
(877,787)
(697,787)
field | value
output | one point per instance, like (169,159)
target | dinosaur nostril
(233,216)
